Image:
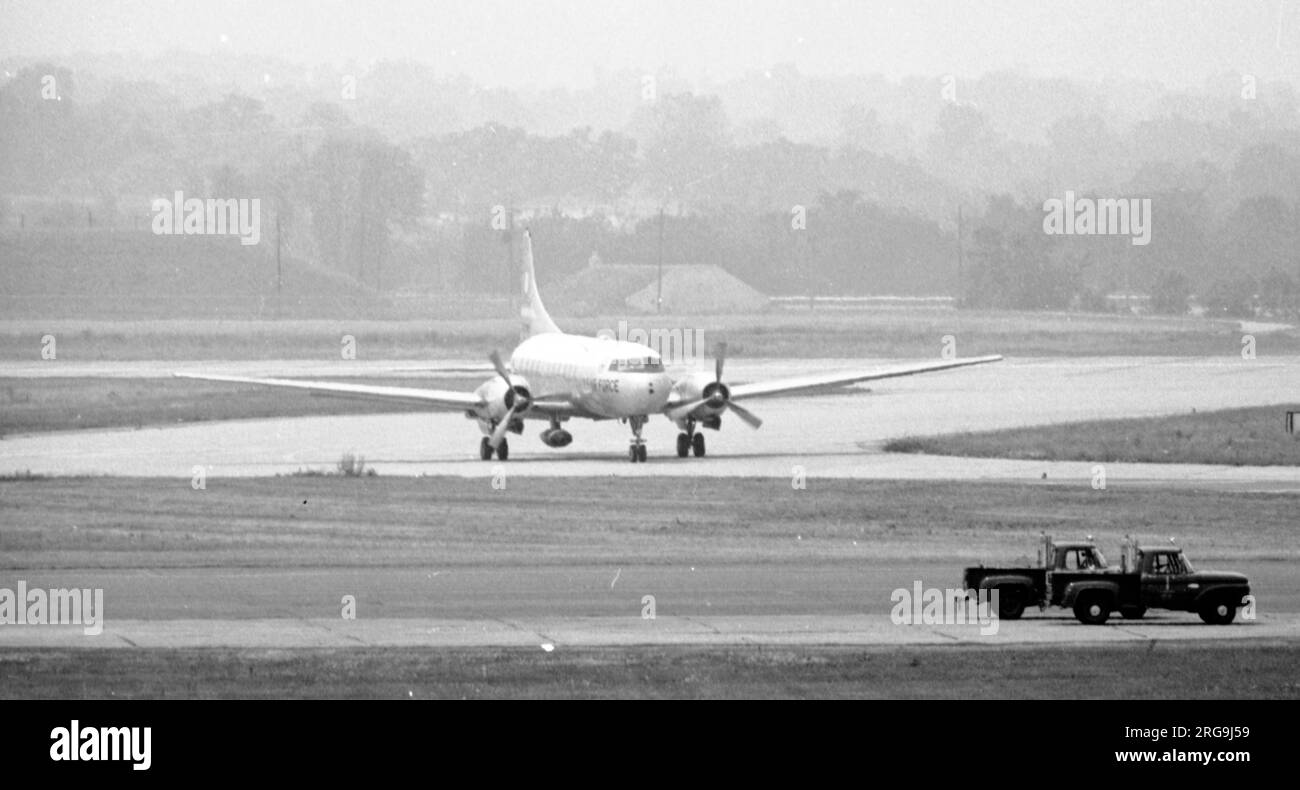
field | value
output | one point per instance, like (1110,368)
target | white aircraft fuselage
(604,377)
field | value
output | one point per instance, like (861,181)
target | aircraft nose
(657,389)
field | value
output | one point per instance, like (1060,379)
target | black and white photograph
(651,349)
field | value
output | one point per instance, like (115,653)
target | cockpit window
(637,364)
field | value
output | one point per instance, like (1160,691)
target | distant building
(1132,302)
(610,289)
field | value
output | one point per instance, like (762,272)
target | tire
(1091,608)
(503,452)
(1133,612)
(1011,601)
(631,453)
(485,449)
(640,453)
(683,445)
(1218,611)
(697,444)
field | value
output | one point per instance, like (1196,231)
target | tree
(1280,294)
(1232,297)
(358,186)
(684,142)
(1170,292)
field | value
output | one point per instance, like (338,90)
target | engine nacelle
(499,397)
(557,437)
(698,386)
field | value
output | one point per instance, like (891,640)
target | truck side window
(1079,560)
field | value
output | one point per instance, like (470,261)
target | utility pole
(511,274)
(659,295)
(279,274)
(961,263)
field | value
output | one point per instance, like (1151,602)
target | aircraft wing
(466,367)
(763,389)
(438,399)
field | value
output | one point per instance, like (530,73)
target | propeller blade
(678,412)
(495,356)
(499,432)
(745,414)
(717,365)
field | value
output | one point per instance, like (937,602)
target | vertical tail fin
(536,321)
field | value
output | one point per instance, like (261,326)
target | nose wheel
(636,451)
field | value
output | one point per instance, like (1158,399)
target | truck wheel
(1218,611)
(1133,612)
(1091,609)
(1011,602)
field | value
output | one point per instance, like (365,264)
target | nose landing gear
(636,451)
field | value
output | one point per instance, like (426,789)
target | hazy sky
(545,42)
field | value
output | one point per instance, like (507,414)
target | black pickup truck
(1074,575)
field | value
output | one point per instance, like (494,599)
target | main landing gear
(636,451)
(689,442)
(485,449)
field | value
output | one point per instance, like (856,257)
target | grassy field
(1251,436)
(1164,670)
(313,522)
(887,332)
(60,404)
(376,521)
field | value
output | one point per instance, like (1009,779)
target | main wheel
(640,453)
(503,452)
(1011,602)
(1091,609)
(683,445)
(697,444)
(485,449)
(1133,612)
(1219,611)
(632,453)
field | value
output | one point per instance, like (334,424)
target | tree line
(871,207)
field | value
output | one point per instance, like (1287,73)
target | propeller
(749,418)
(513,401)
(717,395)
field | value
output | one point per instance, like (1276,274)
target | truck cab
(1159,577)
(1170,582)
(1029,585)
(1075,556)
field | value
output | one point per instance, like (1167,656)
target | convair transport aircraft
(556,377)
